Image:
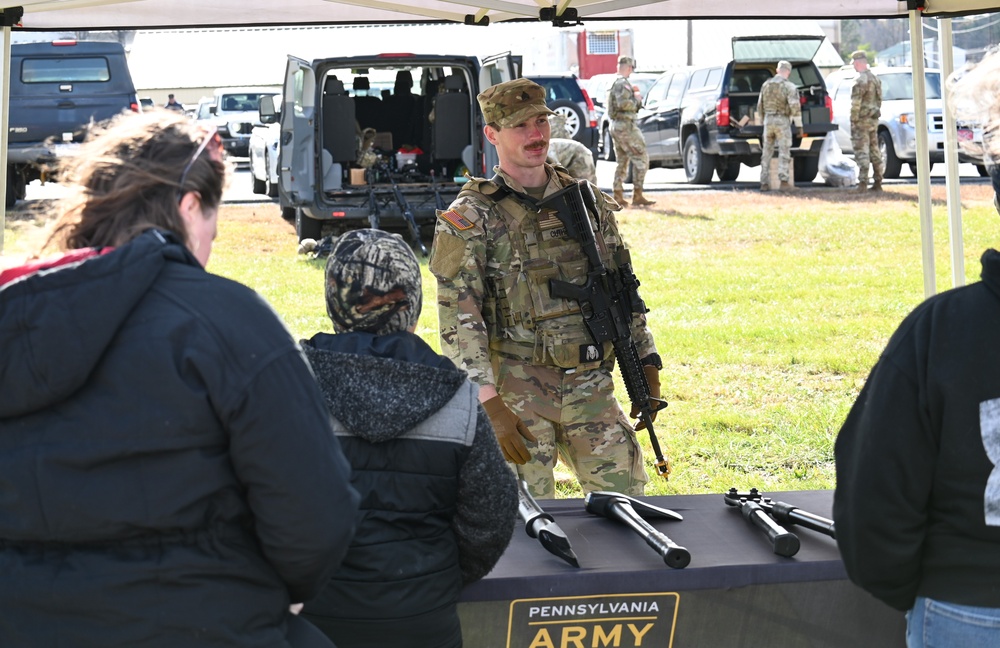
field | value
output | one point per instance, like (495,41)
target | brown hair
(126,178)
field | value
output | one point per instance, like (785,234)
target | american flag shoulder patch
(456,220)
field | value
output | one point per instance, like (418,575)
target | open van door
(495,69)
(297,153)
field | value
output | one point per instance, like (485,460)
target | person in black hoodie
(438,501)
(162,438)
(917,500)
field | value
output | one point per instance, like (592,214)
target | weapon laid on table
(630,511)
(374,217)
(541,525)
(607,299)
(783,542)
(438,200)
(789,514)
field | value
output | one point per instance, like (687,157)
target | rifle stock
(607,299)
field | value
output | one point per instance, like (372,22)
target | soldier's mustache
(537,146)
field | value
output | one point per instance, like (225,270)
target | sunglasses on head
(213,143)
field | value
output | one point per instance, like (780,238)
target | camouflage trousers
(864,141)
(630,148)
(573,416)
(574,157)
(777,132)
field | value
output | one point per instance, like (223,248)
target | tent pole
(4,123)
(923,156)
(951,158)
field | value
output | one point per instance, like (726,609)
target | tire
(806,168)
(306,227)
(288,213)
(982,170)
(608,144)
(575,119)
(728,171)
(14,187)
(270,188)
(258,185)
(913,167)
(698,165)
(892,164)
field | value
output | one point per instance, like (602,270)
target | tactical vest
(773,99)
(525,321)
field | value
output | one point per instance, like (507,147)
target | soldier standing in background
(779,103)
(542,378)
(866,107)
(629,145)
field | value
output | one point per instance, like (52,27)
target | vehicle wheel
(574,116)
(913,167)
(983,172)
(288,213)
(258,185)
(270,188)
(698,165)
(892,164)
(608,144)
(306,227)
(806,168)
(728,171)
(15,187)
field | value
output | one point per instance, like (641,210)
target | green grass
(768,311)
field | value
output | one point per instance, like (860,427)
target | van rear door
(298,154)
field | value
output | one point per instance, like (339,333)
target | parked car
(264,140)
(234,112)
(598,87)
(565,96)
(897,133)
(704,118)
(424,143)
(57,90)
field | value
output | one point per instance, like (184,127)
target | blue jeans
(935,624)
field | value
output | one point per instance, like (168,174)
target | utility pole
(690,30)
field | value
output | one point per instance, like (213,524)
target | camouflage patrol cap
(859,54)
(513,102)
(372,283)
(626,60)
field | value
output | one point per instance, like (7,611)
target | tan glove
(509,430)
(653,378)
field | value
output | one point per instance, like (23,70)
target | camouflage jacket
(622,102)
(779,96)
(866,97)
(493,261)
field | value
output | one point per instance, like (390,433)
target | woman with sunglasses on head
(163,442)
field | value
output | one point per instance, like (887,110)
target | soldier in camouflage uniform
(866,108)
(568,153)
(779,103)
(545,384)
(630,147)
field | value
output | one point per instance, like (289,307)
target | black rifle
(787,513)
(404,207)
(438,200)
(607,299)
(541,525)
(623,508)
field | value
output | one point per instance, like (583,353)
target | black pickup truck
(704,118)
(57,89)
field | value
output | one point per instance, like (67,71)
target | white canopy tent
(77,15)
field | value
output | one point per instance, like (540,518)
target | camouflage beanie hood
(373,283)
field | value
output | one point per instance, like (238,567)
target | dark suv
(704,118)
(57,90)
(566,97)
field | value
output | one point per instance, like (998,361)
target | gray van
(57,89)
(428,136)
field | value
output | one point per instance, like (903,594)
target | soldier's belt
(568,357)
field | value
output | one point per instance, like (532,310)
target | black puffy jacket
(162,442)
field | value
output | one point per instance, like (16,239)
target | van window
(64,70)
(676,91)
(658,91)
